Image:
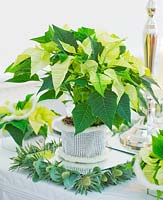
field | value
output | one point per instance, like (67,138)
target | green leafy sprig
(34,161)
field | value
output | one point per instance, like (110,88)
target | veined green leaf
(83,33)
(68,47)
(145,154)
(100,81)
(50,47)
(136,63)
(147,86)
(119,62)
(111,51)
(82,117)
(50,94)
(86,46)
(39,59)
(159,176)
(157,145)
(23,77)
(59,71)
(47,37)
(47,83)
(124,108)
(149,172)
(90,66)
(104,107)
(22,104)
(17,130)
(64,36)
(106,38)
(22,72)
(117,85)
(132,93)
(97,49)
(21,58)
(39,117)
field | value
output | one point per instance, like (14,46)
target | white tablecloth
(16,186)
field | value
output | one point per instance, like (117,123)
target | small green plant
(152,162)
(25,119)
(96,69)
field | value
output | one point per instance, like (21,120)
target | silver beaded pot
(89,143)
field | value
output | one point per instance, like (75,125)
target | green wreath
(35,161)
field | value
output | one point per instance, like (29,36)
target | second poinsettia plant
(26,119)
(102,77)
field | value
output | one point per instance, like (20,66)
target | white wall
(21,20)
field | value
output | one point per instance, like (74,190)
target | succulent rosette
(149,164)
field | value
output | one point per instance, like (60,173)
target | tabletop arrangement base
(109,159)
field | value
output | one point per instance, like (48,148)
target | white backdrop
(21,20)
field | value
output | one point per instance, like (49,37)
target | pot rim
(71,129)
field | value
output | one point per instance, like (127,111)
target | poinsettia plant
(25,119)
(95,68)
(149,165)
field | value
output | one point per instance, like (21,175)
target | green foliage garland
(35,161)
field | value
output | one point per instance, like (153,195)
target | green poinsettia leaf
(100,82)
(81,82)
(64,36)
(23,66)
(142,100)
(104,107)
(47,37)
(47,83)
(21,104)
(150,80)
(124,108)
(118,120)
(17,130)
(22,72)
(21,124)
(131,91)
(96,49)
(40,58)
(161,132)
(83,33)
(21,78)
(149,88)
(59,71)
(50,94)
(50,47)
(125,74)
(82,117)
(157,145)
(122,49)
(43,131)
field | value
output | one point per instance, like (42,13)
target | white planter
(90,143)
(141,177)
(36,141)
(9,144)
